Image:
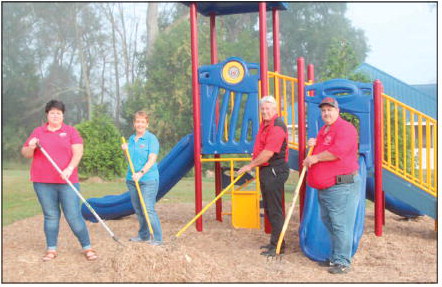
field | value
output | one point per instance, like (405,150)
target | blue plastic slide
(171,168)
(314,237)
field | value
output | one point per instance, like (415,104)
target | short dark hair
(54,104)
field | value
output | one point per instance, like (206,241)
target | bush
(102,156)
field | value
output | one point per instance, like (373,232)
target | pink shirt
(58,145)
(342,141)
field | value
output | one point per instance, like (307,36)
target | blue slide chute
(172,168)
(314,237)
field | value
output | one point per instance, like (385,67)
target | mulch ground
(406,252)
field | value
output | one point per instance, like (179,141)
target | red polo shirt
(270,137)
(342,141)
(58,145)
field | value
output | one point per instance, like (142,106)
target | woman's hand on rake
(136,176)
(67,172)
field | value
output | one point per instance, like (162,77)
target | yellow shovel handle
(140,195)
(208,205)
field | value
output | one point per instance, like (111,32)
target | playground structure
(226,119)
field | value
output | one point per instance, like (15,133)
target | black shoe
(339,269)
(267,246)
(272,251)
(326,263)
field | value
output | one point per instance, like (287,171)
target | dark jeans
(272,181)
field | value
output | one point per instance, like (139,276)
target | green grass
(19,200)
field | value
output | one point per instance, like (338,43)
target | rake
(207,206)
(79,195)
(140,195)
(292,208)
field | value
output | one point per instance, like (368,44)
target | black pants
(272,181)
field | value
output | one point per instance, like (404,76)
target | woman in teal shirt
(143,149)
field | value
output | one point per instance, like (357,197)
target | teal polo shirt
(139,153)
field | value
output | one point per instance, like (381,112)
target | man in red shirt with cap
(270,153)
(333,171)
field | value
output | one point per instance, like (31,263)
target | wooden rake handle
(292,207)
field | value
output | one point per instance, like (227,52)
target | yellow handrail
(407,131)
(417,164)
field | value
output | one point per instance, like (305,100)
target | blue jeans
(149,190)
(338,206)
(53,195)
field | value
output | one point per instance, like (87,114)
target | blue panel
(228,8)
(314,237)
(357,99)
(245,93)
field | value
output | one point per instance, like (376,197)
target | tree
(102,147)
(20,78)
(341,62)
(166,95)
(307,30)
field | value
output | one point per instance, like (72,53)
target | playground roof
(413,96)
(228,8)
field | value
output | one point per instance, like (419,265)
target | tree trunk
(123,35)
(152,26)
(117,76)
(84,68)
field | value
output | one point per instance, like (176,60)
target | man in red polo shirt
(333,171)
(270,153)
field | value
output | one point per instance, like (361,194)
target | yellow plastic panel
(245,209)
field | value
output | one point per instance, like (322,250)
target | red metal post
(213,42)
(264,69)
(277,66)
(378,125)
(263,48)
(214,60)
(196,115)
(301,127)
(276,46)
(311,77)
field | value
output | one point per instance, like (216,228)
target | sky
(402,38)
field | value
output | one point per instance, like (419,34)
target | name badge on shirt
(63,135)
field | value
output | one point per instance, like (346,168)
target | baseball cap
(329,101)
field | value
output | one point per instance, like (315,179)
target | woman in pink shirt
(65,145)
